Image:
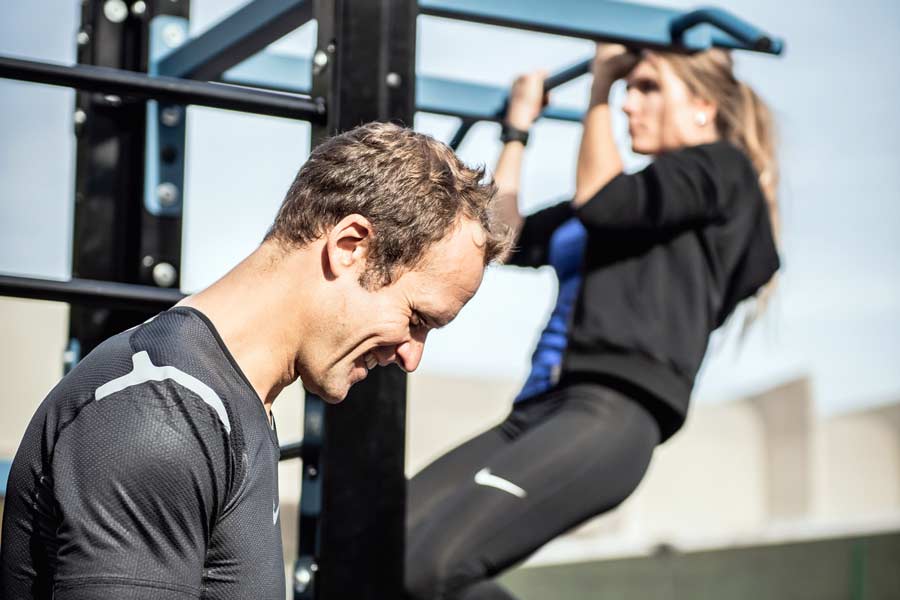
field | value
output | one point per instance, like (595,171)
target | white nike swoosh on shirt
(275,510)
(484,477)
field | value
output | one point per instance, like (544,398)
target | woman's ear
(347,245)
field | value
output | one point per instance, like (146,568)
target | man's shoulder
(162,369)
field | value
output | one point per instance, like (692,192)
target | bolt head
(164,275)
(173,35)
(83,38)
(139,8)
(170,116)
(80,117)
(167,193)
(393,80)
(115,10)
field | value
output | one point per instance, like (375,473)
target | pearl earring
(701,119)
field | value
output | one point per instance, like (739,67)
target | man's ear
(347,245)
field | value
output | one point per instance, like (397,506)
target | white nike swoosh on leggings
(484,477)
(276,508)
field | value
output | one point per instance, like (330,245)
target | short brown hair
(411,187)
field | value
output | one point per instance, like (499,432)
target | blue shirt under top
(565,256)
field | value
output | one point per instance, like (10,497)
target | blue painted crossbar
(433,94)
(608,20)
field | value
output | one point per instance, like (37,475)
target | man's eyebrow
(433,321)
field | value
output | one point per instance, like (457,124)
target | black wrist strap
(510,134)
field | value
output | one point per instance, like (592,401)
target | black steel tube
(568,74)
(289,451)
(88,292)
(461,133)
(168,89)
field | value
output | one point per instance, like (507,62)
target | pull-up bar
(170,89)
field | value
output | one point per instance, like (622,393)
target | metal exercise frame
(138,69)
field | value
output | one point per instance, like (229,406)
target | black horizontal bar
(289,451)
(568,74)
(89,292)
(235,38)
(167,89)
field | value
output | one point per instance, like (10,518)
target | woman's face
(663,114)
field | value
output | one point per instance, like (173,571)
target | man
(150,471)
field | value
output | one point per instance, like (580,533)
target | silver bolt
(393,80)
(164,275)
(170,116)
(312,472)
(82,38)
(139,8)
(115,10)
(113,100)
(80,117)
(173,35)
(147,261)
(320,61)
(167,194)
(302,579)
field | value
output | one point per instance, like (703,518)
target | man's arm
(138,483)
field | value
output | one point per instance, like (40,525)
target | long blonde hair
(743,119)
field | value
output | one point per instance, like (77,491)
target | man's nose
(409,354)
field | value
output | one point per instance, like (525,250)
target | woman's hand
(526,100)
(612,62)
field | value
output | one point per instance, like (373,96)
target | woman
(649,265)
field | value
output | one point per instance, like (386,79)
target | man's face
(364,329)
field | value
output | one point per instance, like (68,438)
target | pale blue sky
(835,93)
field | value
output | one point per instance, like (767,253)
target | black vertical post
(364,68)
(115,238)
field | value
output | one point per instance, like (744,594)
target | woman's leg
(516,493)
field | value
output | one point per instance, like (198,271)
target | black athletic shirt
(149,472)
(671,251)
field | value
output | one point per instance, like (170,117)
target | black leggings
(556,461)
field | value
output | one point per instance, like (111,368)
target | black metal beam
(365,65)
(168,89)
(89,292)
(235,38)
(114,238)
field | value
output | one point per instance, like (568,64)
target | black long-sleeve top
(671,251)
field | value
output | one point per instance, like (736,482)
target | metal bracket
(165,146)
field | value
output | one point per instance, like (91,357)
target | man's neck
(257,310)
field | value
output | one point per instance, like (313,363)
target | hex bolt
(83,38)
(170,116)
(393,80)
(79,118)
(139,8)
(312,472)
(164,275)
(320,61)
(167,193)
(302,579)
(147,261)
(173,35)
(115,10)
